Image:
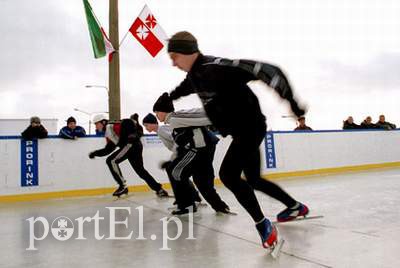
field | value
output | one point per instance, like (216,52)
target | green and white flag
(100,43)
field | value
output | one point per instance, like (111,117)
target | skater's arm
(108,149)
(276,79)
(188,118)
(165,134)
(244,71)
(185,88)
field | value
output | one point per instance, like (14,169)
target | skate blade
(201,205)
(165,197)
(231,213)
(121,197)
(276,249)
(300,218)
(183,216)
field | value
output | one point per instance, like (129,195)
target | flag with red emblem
(148,32)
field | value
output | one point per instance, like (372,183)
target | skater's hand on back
(298,110)
(164,164)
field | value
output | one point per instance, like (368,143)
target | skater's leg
(252,172)
(179,172)
(230,172)
(113,164)
(203,177)
(136,161)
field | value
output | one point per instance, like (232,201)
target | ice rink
(360,228)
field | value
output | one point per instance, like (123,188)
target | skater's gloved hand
(296,109)
(165,164)
(91,155)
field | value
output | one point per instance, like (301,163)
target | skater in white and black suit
(126,136)
(222,87)
(201,167)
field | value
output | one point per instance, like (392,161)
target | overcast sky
(342,57)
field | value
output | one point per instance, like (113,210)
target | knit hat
(183,43)
(71,119)
(35,119)
(150,119)
(164,104)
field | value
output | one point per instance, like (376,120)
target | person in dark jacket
(194,148)
(222,87)
(302,124)
(383,124)
(367,123)
(125,135)
(35,131)
(71,130)
(349,124)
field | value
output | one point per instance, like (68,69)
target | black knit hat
(71,119)
(183,43)
(150,119)
(164,104)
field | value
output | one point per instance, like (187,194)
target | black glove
(165,164)
(296,109)
(91,155)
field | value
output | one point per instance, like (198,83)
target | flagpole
(114,100)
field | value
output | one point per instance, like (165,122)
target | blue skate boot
(289,214)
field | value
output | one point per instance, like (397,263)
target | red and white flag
(148,32)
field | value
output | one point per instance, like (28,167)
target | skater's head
(183,50)
(163,106)
(100,121)
(150,123)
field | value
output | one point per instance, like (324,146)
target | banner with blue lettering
(270,150)
(29,163)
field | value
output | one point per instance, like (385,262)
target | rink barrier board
(145,188)
(285,146)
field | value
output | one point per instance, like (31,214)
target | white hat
(99,117)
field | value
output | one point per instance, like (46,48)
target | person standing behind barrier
(349,124)
(35,130)
(383,124)
(302,124)
(71,130)
(367,123)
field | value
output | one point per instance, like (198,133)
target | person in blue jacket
(71,130)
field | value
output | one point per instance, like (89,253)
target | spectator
(100,120)
(349,124)
(302,124)
(367,123)
(383,124)
(35,130)
(71,130)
